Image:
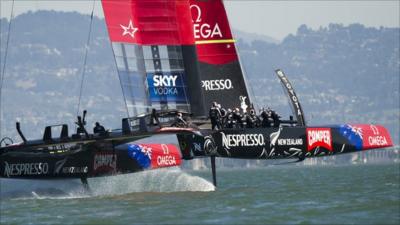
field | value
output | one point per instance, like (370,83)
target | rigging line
(85,59)
(5,60)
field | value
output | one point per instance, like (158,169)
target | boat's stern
(366,136)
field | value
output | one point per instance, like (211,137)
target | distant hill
(341,73)
(250,37)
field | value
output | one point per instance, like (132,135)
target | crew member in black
(266,118)
(256,118)
(224,115)
(154,117)
(229,122)
(237,117)
(179,121)
(275,118)
(251,119)
(215,116)
(99,129)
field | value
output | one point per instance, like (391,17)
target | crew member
(179,121)
(230,122)
(251,119)
(99,129)
(154,117)
(215,116)
(275,118)
(266,118)
(237,117)
(224,115)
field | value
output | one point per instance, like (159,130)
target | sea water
(329,194)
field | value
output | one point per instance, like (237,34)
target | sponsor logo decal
(59,164)
(105,162)
(164,85)
(75,170)
(364,136)
(242,140)
(203,30)
(197,147)
(154,155)
(290,141)
(140,153)
(129,30)
(353,134)
(376,139)
(19,169)
(164,81)
(166,158)
(216,85)
(319,137)
(292,94)
(170,86)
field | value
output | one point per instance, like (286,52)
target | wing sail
(153,47)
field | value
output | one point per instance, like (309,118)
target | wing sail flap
(220,70)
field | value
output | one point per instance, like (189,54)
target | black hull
(119,155)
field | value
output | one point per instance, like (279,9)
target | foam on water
(162,180)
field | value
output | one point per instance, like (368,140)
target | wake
(166,180)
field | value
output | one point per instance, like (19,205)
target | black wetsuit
(215,117)
(265,119)
(252,121)
(237,117)
(98,129)
(275,118)
(224,116)
(230,122)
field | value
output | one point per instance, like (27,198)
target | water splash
(162,180)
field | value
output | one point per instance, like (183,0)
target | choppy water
(350,194)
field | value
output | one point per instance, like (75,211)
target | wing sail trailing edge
(222,78)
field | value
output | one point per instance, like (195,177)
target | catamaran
(177,56)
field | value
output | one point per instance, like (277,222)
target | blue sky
(276,19)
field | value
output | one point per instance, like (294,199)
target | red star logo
(130,29)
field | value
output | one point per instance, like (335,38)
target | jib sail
(155,54)
(222,78)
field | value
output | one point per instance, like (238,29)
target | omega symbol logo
(198,18)
(203,30)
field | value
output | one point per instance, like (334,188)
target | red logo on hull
(105,162)
(374,136)
(164,155)
(319,137)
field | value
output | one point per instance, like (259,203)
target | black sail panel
(222,78)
